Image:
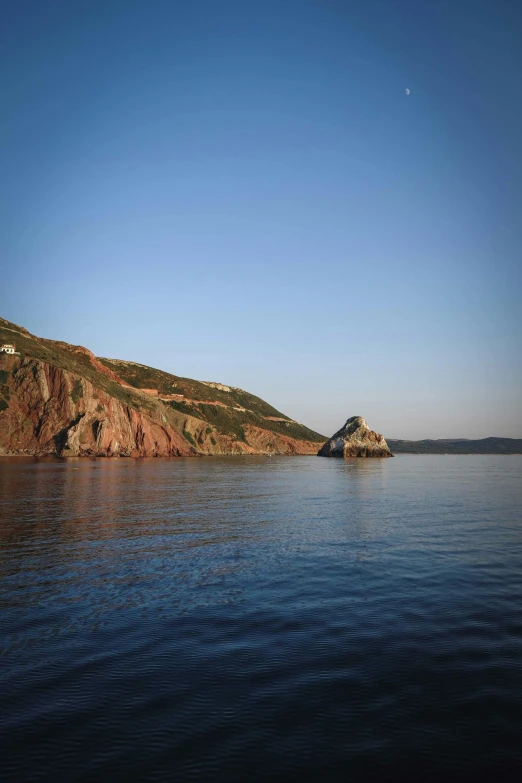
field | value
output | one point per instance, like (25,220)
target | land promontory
(59,399)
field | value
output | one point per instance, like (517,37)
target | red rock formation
(52,411)
(49,410)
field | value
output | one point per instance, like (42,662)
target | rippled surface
(261,618)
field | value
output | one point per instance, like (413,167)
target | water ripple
(250,619)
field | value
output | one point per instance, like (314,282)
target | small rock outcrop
(355,439)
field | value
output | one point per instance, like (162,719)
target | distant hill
(457,446)
(60,399)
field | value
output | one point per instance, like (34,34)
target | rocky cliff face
(52,411)
(355,439)
(58,399)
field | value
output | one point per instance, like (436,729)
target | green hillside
(227,408)
(67,358)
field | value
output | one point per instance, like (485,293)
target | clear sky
(244,192)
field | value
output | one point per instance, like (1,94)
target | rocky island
(355,439)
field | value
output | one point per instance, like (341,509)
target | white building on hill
(6,348)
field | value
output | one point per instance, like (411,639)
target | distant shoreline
(457,454)
(457,446)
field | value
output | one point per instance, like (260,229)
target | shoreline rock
(355,439)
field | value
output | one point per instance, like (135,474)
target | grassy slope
(48,351)
(227,419)
(142,377)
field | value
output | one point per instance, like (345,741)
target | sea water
(254,618)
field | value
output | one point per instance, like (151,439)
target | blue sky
(243,192)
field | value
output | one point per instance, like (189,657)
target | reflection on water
(224,619)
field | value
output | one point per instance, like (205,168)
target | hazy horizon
(246,193)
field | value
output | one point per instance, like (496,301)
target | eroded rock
(355,439)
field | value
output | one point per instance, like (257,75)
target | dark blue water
(277,619)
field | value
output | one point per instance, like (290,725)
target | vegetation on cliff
(225,407)
(71,358)
(143,377)
(57,398)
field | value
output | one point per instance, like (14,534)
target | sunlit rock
(355,439)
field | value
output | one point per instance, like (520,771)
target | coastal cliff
(355,439)
(59,399)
